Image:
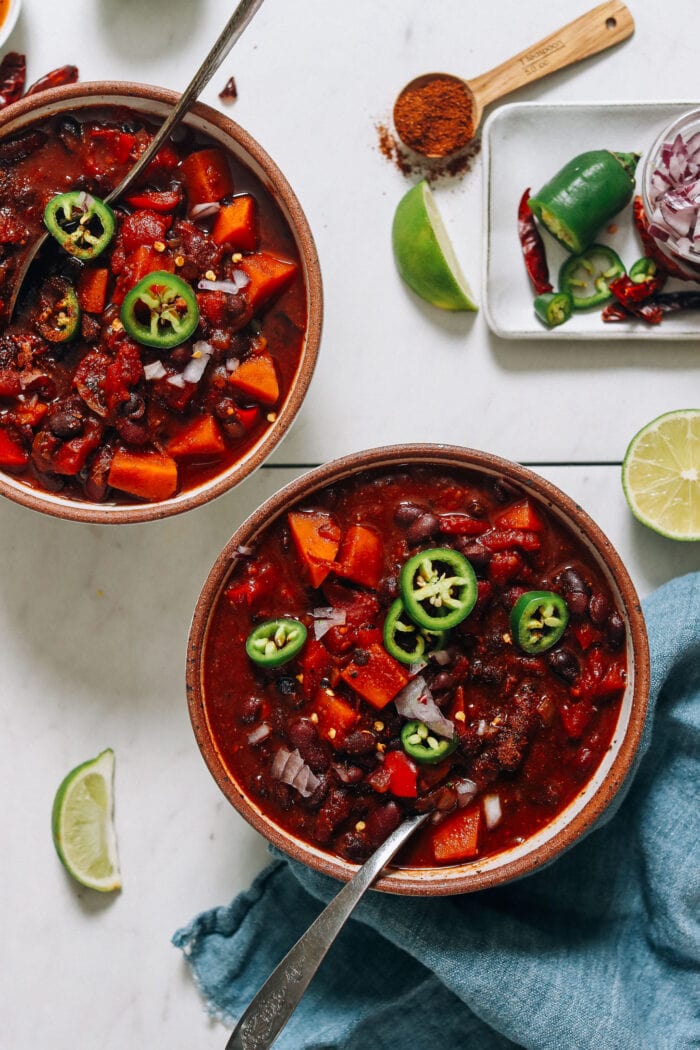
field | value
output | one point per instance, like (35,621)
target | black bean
(66,419)
(407,512)
(250,709)
(615,630)
(576,591)
(598,608)
(504,491)
(564,663)
(473,551)
(360,657)
(286,685)
(443,680)
(476,507)
(423,528)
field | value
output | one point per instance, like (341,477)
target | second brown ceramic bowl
(579,816)
(155,103)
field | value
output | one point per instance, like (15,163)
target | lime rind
(661,475)
(424,253)
(82,824)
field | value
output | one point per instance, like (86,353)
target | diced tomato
(200,437)
(260,584)
(457,838)
(112,147)
(92,290)
(576,718)
(12,455)
(316,537)
(165,160)
(378,680)
(29,413)
(138,265)
(212,307)
(161,201)
(521,516)
(150,475)
(461,525)
(143,228)
(124,372)
(504,539)
(504,566)
(403,774)
(586,634)
(360,558)
(10,385)
(315,662)
(207,176)
(336,717)
(72,456)
(267,276)
(236,224)
(601,677)
(176,397)
(257,378)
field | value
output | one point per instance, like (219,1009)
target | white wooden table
(94,620)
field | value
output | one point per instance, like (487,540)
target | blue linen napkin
(600,950)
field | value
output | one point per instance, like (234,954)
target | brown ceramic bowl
(156,103)
(593,799)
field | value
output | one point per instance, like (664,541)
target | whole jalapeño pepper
(578,201)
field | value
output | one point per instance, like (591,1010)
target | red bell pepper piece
(461,525)
(72,455)
(336,717)
(316,537)
(161,201)
(360,558)
(10,385)
(403,774)
(520,516)
(504,539)
(378,680)
(92,290)
(457,838)
(504,566)
(115,147)
(576,718)
(12,455)
(143,261)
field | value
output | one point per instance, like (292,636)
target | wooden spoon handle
(602,27)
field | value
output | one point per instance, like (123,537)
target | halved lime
(82,823)
(424,254)
(661,474)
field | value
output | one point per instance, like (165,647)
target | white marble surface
(93,620)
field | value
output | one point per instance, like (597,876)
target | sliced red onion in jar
(492,810)
(415,701)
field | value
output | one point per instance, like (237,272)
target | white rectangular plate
(525,143)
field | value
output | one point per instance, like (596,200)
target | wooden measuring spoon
(423,130)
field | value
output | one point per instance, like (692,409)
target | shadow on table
(144,30)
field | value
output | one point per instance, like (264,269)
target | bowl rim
(96,94)
(434,881)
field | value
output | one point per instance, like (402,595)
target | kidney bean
(66,418)
(473,551)
(615,630)
(406,513)
(301,732)
(443,680)
(250,709)
(423,528)
(564,663)
(598,608)
(132,432)
(38,383)
(476,507)
(353,846)
(360,742)
(381,821)
(96,483)
(44,448)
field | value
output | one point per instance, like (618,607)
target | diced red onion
(195,368)
(155,370)
(245,552)
(218,286)
(261,732)
(176,380)
(326,618)
(290,768)
(240,278)
(232,363)
(481,728)
(492,810)
(417,667)
(674,193)
(415,701)
(466,790)
(441,657)
(203,211)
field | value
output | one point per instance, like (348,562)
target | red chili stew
(338,722)
(86,406)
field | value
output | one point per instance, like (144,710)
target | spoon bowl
(438,114)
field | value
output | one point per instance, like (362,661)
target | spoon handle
(228,37)
(595,31)
(269,1011)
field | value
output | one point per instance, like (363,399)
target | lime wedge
(661,474)
(424,254)
(82,824)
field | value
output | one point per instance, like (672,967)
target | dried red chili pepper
(56,78)
(533,247)
(626,292)
(667,303)
(13,75)
(614,312)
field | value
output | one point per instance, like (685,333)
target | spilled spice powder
(435,116)
(432,169)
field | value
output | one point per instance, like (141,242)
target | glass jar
(686,258)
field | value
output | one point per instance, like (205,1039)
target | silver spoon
(269,1011)
(229,35)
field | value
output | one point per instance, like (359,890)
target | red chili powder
(410,163)
(436,117)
